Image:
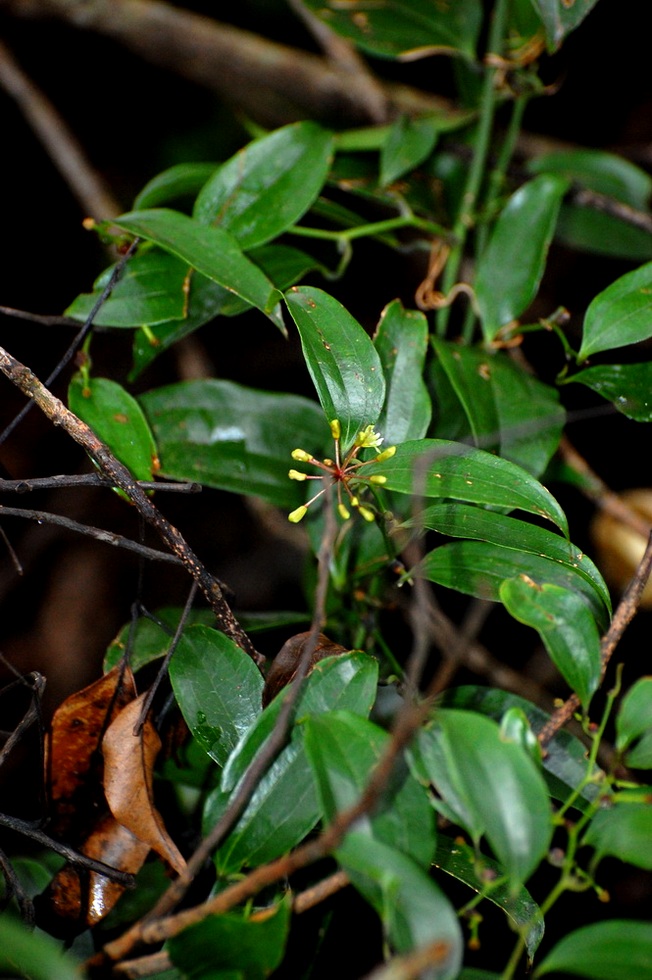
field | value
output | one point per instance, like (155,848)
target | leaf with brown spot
(285,663)
(128,781)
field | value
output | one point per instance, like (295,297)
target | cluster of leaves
(457,502)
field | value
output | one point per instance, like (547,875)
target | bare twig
(412,965)
(120,477)
(60,143)
(66,481)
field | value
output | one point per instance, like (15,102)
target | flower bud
(336,429)
(343,512)
(297,475)
(367,514)
(298,514)
(301,455)
(386,454)
(379,480)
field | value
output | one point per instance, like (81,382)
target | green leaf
(118,420)
(560,18)
(252,947)
(343,750)
(479,569)
(26,953)
(212,251)
(608,950)
(463,521)
(508,410)
(600,233)
(634,717)
(625,832)
(605,173)
(409,142)
(405,29)
(619,315)
(566,627)
(498,784)
(413,910)
(283,264)
(511,267)
(218,689)
(234,438)
(149,291)
(461,862)
(151,638)
(401,340)
(565,761)
(440,468)
(627,386)
(341,359)
(265,188)
(181,180)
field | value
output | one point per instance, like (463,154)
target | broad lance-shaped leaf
(180,180)
(128,781)
(413,910)
(561,17)
(341,359)
(343,750)
(605,173)
(624,832)
(608,950)
(212,251)
(409,142)
(619,315)
(217,687)
(511,267)
(565,625)
(465,521)
(627,386)
(634,717)
(401,340)
(502,793)
(118,420)
(268,185)
(234,438)
(440,468)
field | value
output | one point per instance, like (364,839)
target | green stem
(374,228)
(466,216)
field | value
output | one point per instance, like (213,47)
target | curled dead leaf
(128,781)
(285,663)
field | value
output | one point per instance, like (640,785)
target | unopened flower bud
(367,514)
(336,429)
(379,480)
(386,454)
(297,475)
(301,455)
(343,512)
(298,514)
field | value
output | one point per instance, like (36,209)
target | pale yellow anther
(301,455)
(297,475)
(298,514)
(386,454)
(336,429)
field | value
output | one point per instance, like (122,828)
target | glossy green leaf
(405,29)
(464,521)
(623,831)
(205,300)
(413,910)
(634,717)
(565,761)
(463,863)
(151,637)
(181,180)
(212,251)
(409,142)
(479,569)
(619,315)
(608,950)
(515,727)
(627,386)
(341,359)
(149,291)
(498,783)
(511,267)
(401,340)
(118,420)
(640,755)
(605,173)
(566,627)
(507,409)
(343,749)
(440,468)
(560,18)
(251,947)
(234,438)
(268,185)
(598,232)
(26,953)
(217,687)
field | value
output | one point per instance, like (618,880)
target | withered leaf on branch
(128,781)
(285,663)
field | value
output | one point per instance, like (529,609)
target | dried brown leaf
(285,663)
(128,781)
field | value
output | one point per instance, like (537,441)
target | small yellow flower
(368,438)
